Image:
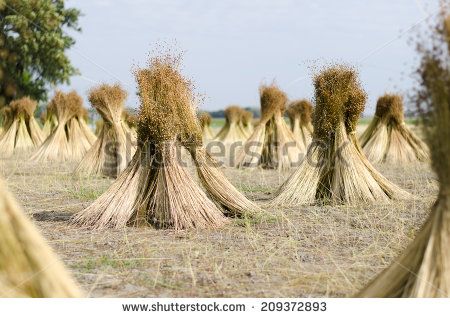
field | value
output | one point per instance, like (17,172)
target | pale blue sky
(232,46)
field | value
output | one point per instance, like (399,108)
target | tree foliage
(33,45)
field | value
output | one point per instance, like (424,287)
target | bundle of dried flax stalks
(299,113)
(71,138)
(272,144)
(336,170)
(423,269)
(156,188)
(28,266)
(109,155)
(388,139)
(22,132)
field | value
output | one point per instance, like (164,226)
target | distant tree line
(221,113)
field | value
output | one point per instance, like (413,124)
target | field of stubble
(304,251)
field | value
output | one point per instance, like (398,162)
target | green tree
(33,45)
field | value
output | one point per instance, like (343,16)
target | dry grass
(304,251)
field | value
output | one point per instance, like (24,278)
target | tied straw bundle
(130,119)
(71,138)
(156,189)
(388,139)
(247,122)
(423,269)
(49,120)
(98,126)
(205,124)
(109,155)
(299,113)
(272,144)
(233,130)
(28,266)
(336,170)
(5,118)
(22,132)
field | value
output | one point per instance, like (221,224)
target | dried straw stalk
(423,269)
(233,130)
(108,156)
(5,119)
(388,139)
(156,189)
(28,266)
(50,121)
(71,138)
(23,132)
(272,144)
(205,123)
(299,113)
(247,122)
(130,119)
(336,170)
(98,127)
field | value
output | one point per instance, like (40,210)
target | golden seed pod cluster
(75,103)
(167,103)
(302,108)
(205,119)
(51,110)
(130,119)
(390,108)
(67,105)
(246,117)
(338,97)
(24,106)
(6,113)
(107,97)
(233,113)
(272,100)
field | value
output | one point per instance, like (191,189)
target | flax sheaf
(423,269)
(205,123)
(71,138)
(299,113)
(156,189)
(108,156)
(336,170)
(49,120)
(28,266)
(233,129)
(247,122)
(388,139)
(272,144)
(22,132)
